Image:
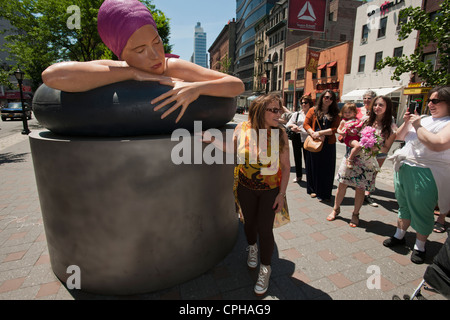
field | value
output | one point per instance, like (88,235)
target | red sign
(307,15)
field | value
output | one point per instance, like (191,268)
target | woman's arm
(77,76)
(434,141)
(196,81)
(285,172)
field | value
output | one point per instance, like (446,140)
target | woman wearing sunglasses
(262,184)
(296,125)
(321,122)
(421,177)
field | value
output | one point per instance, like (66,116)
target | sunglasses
(327,97)
(434,101)
(304,102)
(275,110)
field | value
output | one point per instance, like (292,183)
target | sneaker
(252,259)
(393,241)
(263,280)
(370,201)
(418,257)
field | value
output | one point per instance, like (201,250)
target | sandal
(354,223)
(439,227)
(336,212)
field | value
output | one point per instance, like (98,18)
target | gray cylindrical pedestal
(127,216)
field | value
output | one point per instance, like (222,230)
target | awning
(332,64)
(358,94)
(386,91)
(322,66)
(353,95)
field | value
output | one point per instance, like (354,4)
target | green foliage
(40,33)
(436,31)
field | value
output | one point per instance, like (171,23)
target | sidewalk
(313,258)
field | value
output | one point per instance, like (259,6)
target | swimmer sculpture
(119,208)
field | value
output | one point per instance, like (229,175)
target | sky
(184,15)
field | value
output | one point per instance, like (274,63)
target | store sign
(307,15)
(384,8)
(313,61)
(416,88)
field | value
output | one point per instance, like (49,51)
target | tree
(431,30)
(48,31)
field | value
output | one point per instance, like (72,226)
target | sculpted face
(145,50)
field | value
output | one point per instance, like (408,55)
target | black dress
(321,166)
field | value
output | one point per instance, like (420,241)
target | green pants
(417,196)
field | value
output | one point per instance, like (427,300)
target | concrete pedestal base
(130,219)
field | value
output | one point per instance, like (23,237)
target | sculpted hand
(183,94)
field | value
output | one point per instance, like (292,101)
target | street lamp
(19,76)
(268,65)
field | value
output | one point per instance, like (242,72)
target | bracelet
(283,194)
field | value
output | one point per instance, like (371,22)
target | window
(398,52)
(382,30)
(430,57)
(333,71)
(301,74)
(364,34)
(323,73)
(287,76)
(401,21)
(314,75)
(362,63)
(378,58)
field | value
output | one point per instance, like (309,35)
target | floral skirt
(362,175)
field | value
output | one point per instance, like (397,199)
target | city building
(222,51)
(200,56)
(333,63)
(417,91)
(376,36)
(248,13)
(273,37)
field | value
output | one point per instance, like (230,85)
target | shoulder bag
(313,145)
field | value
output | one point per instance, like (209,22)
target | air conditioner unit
(363,40)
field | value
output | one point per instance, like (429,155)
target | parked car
(14,110)
(240,110)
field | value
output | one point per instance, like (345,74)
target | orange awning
(332,64)
(322,66)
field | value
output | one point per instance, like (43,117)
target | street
(10,131)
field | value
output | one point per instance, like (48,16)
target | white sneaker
(252,259)
(263,280)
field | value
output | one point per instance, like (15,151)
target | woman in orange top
(264,168)
(321,122)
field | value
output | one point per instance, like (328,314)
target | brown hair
(348,106)
(386,123)
(256,115)
(333,109)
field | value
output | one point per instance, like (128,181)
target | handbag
(313,145)
(289,131)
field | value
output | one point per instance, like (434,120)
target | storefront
(417,93)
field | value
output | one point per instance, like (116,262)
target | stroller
(437,275)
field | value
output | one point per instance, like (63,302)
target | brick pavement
(313,258)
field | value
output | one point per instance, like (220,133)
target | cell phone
(413,107)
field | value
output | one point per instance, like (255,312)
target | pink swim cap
(119,19)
